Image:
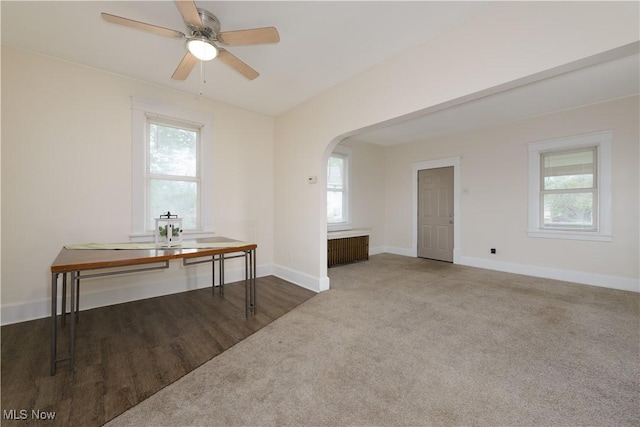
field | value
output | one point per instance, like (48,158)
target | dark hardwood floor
(127,352)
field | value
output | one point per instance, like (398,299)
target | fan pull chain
(203,78)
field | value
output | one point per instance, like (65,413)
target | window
(568,191)
(338,187)
(173,172)
(171,153)
(569,187)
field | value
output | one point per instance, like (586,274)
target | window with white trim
(338,187)
(173,172)
(570,187)
(171,151)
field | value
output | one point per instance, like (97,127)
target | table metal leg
(250,283)
(254,294)
(247,298)
(64,298)
(78,298)
(221,274)
(54,312)
(72,322)
(213,275)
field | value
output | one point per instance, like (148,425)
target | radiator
(346,250)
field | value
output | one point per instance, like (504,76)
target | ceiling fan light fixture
(202,48)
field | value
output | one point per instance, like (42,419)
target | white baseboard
(324,283)
(376,250)
(400,251)
(30,310)
(24,311)
(581,277)
(301,279)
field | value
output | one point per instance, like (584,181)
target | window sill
(190,235)
(570,235)
(341,226)
(355,232)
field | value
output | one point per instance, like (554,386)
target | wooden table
(91,263)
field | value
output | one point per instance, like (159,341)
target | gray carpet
(405,341)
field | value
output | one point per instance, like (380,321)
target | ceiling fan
(204,38)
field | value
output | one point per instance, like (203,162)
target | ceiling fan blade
(113,19)
(189,12)
(233,62)
(253,36)
(184,68)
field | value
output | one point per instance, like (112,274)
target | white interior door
(435,213)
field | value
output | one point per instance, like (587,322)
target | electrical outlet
(493,250)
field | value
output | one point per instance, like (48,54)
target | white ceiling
(322,43)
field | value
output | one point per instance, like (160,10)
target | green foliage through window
(569,188)
(172,174)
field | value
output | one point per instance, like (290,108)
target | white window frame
(150,176)
(345,152)
(141,110)
(602,217)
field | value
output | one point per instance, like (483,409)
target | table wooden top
(89,259)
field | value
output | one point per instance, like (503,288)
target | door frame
(433,164)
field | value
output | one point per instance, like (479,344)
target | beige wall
(367,191)
(494,169)
(493,209)
(66,177)
(511,41)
